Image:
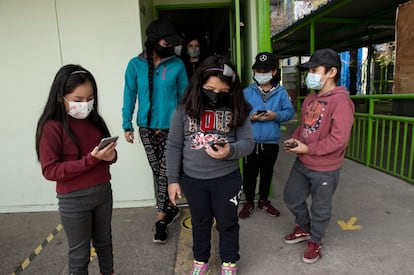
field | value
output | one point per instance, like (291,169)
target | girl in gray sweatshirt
(210,131)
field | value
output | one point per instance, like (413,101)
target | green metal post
(312,37)
(369,134)
(263,25)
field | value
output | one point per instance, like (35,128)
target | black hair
(149,48)
(66,80)
(193,102)
(185,57)
(201,41)
(276,78)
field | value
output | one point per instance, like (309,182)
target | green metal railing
(380,139)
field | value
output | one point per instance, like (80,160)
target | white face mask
(193,52)
(313,81)
(263,78)
(80,110)
(177,49)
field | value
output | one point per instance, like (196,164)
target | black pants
(217,198)
(261,160)
(86,216)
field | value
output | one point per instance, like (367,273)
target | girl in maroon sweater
(67,136)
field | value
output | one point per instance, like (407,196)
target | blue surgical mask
(313,81)
(263,78)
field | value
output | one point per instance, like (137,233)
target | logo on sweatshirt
(212,127)
(313,116)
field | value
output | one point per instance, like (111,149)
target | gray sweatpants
(86,217)
(303,182)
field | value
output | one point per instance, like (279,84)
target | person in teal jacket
(271,105)
(157,78)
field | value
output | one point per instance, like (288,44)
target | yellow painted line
(186,222)
(49,238)
(25,263)
(184,259)
(93,253)
(37,250)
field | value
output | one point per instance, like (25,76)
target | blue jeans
(219,198)
(86,216)
(303,182)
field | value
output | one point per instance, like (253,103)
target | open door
(219,23)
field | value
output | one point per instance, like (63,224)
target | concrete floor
(382,205)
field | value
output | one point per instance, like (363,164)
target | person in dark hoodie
(193,53)
(157,78)
(271,106)
(320,141)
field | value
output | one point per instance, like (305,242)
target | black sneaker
(160,235)
(171,214)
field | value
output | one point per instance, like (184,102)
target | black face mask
(212,99)
(164,52)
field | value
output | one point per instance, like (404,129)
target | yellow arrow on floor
(349,225)
(93,253)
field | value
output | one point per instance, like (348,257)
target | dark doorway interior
(212,25)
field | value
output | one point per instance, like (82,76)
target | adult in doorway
(157,78)
(193,53)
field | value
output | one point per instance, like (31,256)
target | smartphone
(105,141)
(258,112)
(218,143)
(290,144)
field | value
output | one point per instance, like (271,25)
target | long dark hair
(192,100)
(203,48)
(149,48)
(66,80)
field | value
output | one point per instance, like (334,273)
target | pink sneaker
(200,268)
(228,269)
(312,253)
(297,236)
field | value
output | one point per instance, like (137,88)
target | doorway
(211,25)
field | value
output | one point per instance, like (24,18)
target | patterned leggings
(154,141)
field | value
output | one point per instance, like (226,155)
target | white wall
(37,38)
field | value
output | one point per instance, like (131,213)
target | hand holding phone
(260,112)
(218,143)
(290,144)
(106,141)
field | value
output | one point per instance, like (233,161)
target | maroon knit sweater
(58,156)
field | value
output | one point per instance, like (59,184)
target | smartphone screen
(290,144)
(218,143)
(105,141)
